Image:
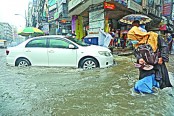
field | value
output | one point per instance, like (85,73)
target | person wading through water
(158,44)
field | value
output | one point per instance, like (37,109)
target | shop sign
(170,22)
(60,9)
(167,1)
(96,15)
(51,15)
(56,15)
(74,3)
(45,28)
(144,4)
(167,9)
(52,7)
(61,1)
(123,2)
(96,20)
(150,3)
(108,5)
(44,19)
(96,7)
(134,6)
(172,17)
(151,10)
(34,3)
(138,2)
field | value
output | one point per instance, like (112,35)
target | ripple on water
(68,91)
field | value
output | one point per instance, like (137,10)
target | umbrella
(128,19)
(30,31)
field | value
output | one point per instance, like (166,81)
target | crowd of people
(120,39)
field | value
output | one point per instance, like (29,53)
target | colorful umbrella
(30,31)
(128,19)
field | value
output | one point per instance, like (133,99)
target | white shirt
(142,29)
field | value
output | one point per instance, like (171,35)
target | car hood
(98,48)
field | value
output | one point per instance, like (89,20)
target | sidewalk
(122,52)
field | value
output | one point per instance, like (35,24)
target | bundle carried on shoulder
(147,53)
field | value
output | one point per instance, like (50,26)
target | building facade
(6,32)
(87,16)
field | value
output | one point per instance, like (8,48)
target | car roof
(62,36)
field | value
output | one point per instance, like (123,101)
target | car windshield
(79,42)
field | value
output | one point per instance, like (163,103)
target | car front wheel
(22,62)
(89,63)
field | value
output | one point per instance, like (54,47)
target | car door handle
(51,51)
(28,51)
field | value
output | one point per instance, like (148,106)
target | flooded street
(45,91)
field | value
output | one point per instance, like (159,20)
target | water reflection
(74,92)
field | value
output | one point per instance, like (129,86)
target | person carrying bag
(151,40)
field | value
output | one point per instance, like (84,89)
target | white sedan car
(59,51)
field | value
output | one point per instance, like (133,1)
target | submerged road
(46,91)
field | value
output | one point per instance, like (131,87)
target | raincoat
(156,42)
(143,37)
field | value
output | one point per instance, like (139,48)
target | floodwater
(45,91)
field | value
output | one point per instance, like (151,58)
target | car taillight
(7,52)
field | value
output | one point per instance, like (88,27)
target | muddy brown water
(46,91)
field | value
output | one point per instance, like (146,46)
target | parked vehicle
(56,50)
(3,43)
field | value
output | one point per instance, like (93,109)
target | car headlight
(104,53)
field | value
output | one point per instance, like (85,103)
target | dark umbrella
(128,19)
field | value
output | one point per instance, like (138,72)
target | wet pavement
(46,91)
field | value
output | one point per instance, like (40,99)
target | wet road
(44,91)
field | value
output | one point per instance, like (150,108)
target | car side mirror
(71,46)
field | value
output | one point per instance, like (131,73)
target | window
(79,42)
(58,43)
(37,43)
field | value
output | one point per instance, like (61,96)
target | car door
(36,51)
(59,53)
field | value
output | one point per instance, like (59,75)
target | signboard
(134,6)
(45,28)
(96,15)
(123,2)
(96,20)
(52,7)
(96,7)
(34,3)
(172,17)
(60,9)
(138,2)
(109,6)
(61,1)
(56,15)
(51,15)
(167,8)
(150,3)
(73,3)
(51,2)
(167,1)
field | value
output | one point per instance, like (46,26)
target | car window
(58,43)
(77,41)
(37,43)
